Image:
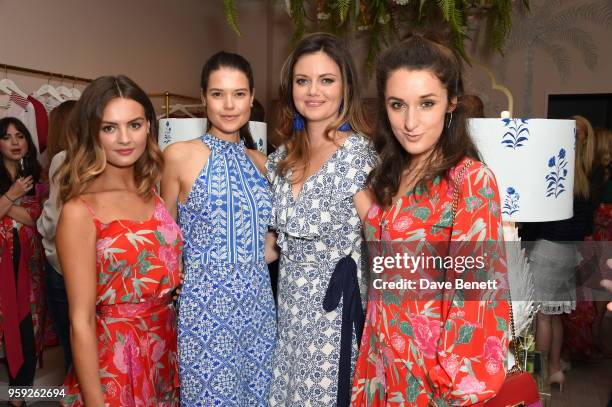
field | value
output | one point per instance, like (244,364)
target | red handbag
(519,388)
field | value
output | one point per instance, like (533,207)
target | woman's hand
(20,187)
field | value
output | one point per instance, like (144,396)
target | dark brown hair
(233,61)
(31,163)
(296,141)
(85,158)
(59,137)
(414,54)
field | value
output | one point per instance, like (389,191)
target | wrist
(9,198)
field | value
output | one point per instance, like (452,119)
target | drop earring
(298,122)
(450,120)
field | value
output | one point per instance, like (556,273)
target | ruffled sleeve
(474,336)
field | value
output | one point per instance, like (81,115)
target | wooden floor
(589,384)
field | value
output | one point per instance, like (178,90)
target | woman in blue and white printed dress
(317,177)
(227,320)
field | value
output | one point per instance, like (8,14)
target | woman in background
(554,256)
(58,140)
(21,256)
(440,347)
(119,250)
(318,175)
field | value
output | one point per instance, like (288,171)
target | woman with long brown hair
(318,175)
(445,346)
(119,249)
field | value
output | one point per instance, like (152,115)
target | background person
(58,140)
(22,305)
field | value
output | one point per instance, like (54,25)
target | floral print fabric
(138,267)
(445,351)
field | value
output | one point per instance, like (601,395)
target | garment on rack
(22,109)
(42,123)
(49,102)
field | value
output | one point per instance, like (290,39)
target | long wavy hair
(418,53)
(31,164)
(585,158)
(59,135)
(351,112)
(233,61)
(86,159)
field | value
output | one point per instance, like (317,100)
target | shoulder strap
(88,206)
(457,185)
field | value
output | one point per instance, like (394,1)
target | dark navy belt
(343,284)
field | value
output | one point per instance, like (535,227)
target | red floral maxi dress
(138,268)
(444,349)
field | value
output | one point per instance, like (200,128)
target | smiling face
(416,104)
(228,101)
(13,144)
(123,132)
(317,87)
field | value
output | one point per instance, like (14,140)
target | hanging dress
(138,267)
(227,320)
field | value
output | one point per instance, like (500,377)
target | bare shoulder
(184,150)
(259,159)
(75,214)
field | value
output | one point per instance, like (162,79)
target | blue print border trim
(517,133)
(557,174)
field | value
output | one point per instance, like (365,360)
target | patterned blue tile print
(227,327)
(314,231)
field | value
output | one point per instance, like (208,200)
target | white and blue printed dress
(227,319)
(317,232)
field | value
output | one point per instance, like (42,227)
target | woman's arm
(474,340)
(21,215)
(271,250)
(8,201)
(363,200)
(170,183)
(76,246)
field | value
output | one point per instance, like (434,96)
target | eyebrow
(323,74)
(420,97)
(221,90)
(129,121)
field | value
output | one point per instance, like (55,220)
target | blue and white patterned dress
(315,231)
(227,320)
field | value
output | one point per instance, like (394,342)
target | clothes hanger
(178,108)
(8,86)
(47,89)
(64,91)
(76,94)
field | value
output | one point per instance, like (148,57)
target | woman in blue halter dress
(227,318)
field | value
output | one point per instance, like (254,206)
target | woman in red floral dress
(447,346)
(120,252)
(22,301)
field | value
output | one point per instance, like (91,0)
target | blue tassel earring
(345,127)
(298,122)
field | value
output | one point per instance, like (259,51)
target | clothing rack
(73,78)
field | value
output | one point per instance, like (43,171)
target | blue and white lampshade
(533,162)
(173,130)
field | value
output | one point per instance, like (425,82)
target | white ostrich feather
(520,280)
